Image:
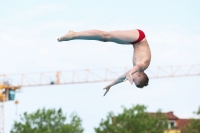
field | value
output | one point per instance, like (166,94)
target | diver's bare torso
(142,55)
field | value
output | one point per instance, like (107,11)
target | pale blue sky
(28,33)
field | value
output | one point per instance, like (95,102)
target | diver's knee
(105,36)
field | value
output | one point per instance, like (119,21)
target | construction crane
(12,82)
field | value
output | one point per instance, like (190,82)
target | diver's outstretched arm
(117,81)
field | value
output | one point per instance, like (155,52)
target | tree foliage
(133,120)
(47,121)
(194,124)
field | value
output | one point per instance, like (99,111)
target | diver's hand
(129,78)
(107,88)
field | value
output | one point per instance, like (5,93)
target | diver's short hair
(144,81)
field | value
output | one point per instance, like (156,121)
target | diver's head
(140,79)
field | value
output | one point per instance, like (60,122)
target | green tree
(133,120)
(47,121)
(194,124)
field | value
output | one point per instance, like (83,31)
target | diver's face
(137,77)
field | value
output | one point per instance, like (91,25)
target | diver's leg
(84,35)
(118,36)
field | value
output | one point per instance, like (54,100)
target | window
(172,124)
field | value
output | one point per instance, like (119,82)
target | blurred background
(28,33)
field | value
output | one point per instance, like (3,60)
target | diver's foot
(67,36)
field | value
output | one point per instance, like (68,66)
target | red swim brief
(141,37)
